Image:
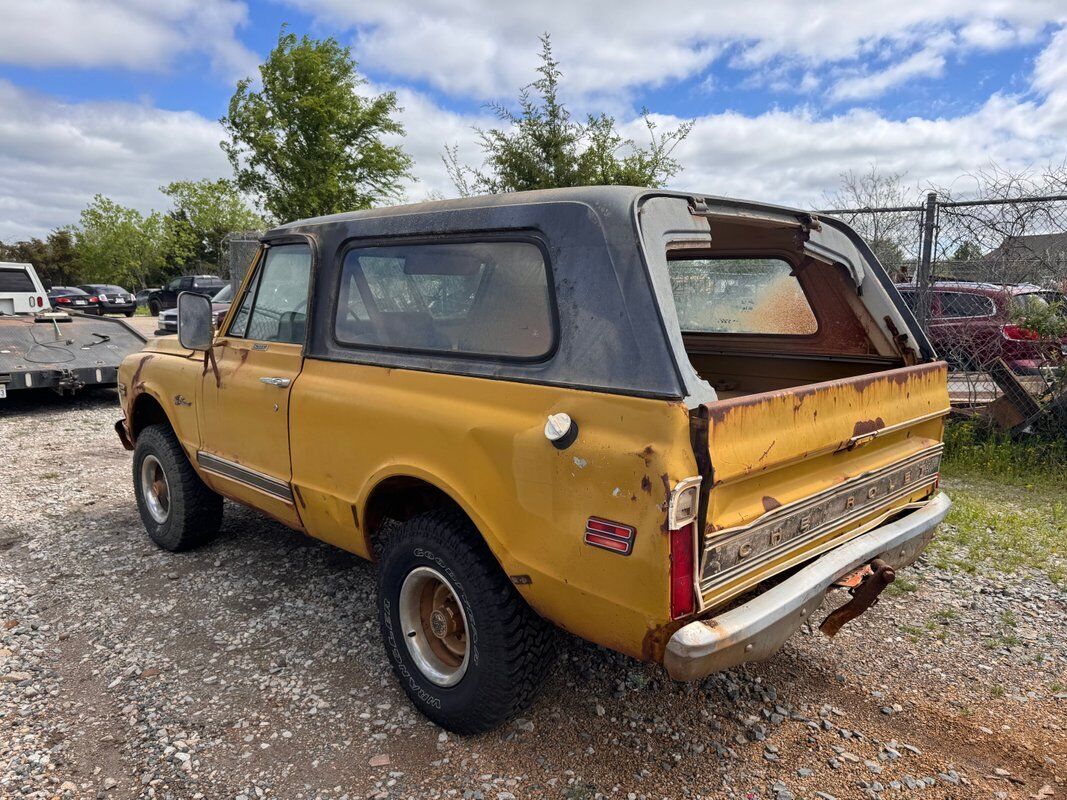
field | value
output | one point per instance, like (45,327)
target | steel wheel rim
(155,489)
(434,626)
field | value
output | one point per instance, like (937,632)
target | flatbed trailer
(61,351)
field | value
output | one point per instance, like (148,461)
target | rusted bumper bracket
(878,575)
(756,630)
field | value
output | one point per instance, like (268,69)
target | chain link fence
(238,249)
(986,281)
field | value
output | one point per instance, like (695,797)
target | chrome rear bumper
(757,629)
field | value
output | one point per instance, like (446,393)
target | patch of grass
(49,476)
(996,690)
(913,633)
(901,586)
(974,450)
(945,615)
(995,526)
(1002,640)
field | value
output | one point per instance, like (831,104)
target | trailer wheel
(466,648)
(178,510)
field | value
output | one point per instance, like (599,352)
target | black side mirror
(194,321)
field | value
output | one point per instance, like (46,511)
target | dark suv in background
(973,324)
(167,297)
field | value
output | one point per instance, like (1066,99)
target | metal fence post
(926,258)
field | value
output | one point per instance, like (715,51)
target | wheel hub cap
(434,626)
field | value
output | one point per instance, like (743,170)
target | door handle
(281,383)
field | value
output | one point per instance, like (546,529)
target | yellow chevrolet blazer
(668,423)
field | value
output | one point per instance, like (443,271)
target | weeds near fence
(975,451)
(1009,503)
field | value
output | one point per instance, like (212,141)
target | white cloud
(928,62)
(130,34)
(55,156)
(484,48)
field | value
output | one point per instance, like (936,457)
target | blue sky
(122,96)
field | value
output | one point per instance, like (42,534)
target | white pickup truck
(45,349)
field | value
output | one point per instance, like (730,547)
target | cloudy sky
(122,96)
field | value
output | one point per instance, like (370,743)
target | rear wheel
(465,646)
(154,308)
(178,510)
(131,312)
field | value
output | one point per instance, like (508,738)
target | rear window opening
(740,295)
(16,280)
(760,321)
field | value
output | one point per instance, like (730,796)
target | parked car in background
(142,296)
(972,325)
(220,304)
(167,297)
(113,299)
(668,423)
(71,298)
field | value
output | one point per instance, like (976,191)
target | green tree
(309,143)
(203,212)
(967,251)
(55,259)
(117,244)
(541,147)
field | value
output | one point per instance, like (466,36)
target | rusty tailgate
(794,471)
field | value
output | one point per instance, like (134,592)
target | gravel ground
(252,668)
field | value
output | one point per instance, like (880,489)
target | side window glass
(174,284)
(279,313)
(240,320)
(962,304)
(474,298)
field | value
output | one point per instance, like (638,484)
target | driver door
(244,404)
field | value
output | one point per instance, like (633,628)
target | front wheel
(178,510)
(465,646)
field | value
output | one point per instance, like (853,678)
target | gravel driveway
(252,668)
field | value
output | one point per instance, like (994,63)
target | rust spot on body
(646,485)
(770,503)
(865,426)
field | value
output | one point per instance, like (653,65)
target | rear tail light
(103,297)
(94,299)
(609,535)
(1019,334)
(62,299)
(40,302)
(682,519)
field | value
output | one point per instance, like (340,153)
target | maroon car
(974,324)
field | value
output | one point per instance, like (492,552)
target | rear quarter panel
(482,442)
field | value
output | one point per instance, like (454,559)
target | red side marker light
(608,535)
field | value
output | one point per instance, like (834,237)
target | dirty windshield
(740,296)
